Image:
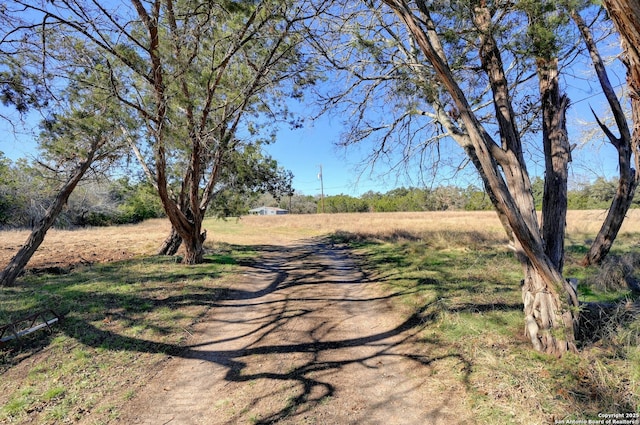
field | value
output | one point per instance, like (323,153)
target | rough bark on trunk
(626,17)
(627,147)
(24,254)
(187,227)
(510,189)
(612,223)
(557,157)
(171,244)
(189,230)
(194,249)
(549,321)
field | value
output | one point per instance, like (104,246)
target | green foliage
(7,189)
(343,203)
(138,202)
(477,200)
(248,174)
(596,195)
(18,87)
(544,31)
(411,199)
(105,203)
(24,191)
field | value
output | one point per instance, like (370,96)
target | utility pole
(321,188)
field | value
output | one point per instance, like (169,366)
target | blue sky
(304,150)
(16,140)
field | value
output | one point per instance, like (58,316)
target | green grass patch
(123,319)
(118,319)
(467,292)
(53,393)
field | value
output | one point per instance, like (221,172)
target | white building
(267,211)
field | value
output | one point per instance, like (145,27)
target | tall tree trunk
(171,244)
(626,145)
(557,152)
(541,305)
(20,260)
(187,227)
(613,222)
(549,321)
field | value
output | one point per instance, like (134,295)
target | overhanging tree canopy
(82,128)
(486,75)
(202,79)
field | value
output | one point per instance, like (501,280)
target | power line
(596,94)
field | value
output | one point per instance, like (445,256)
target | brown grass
(104,244)
(288,228)
(589,222)
(582,226)
(101,244)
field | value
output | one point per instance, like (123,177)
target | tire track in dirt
(303,338)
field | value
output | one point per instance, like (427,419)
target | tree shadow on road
(281,287)
(280,290)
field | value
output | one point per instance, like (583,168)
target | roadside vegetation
(123,319)
(26,194)
(464,285)
(420,88)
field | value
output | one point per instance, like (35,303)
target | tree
(487,76)
(81,128)
(626,146)
(203,80)
(477,199)
(135,202)
(87,138)
(8,195)
(258,55)
(247,172)
(343,204)
(624,15)
(300,204)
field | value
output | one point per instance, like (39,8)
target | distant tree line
(27,190)
(121,201)
(584,196)
(25,193)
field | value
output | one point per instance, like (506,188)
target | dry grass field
(278,229)
(63,248)
(127,311)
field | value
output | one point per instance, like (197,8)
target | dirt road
(304,337)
